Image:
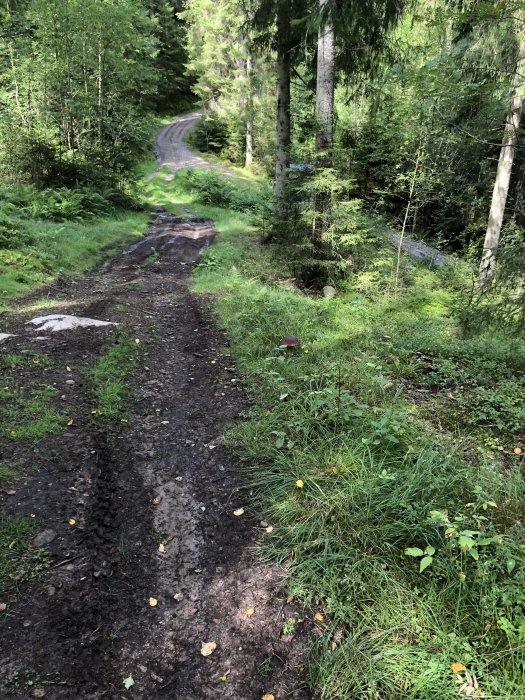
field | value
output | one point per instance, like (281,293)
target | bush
(217,190)
(13,234)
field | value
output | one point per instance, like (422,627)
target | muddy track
(163,476)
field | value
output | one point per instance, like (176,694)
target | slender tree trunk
(407,211)
(324,109)
(248,160)
(282,160)
(504,171)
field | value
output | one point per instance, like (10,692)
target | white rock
(61,322)
(329,291)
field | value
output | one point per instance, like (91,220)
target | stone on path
(61,322)
(44,537)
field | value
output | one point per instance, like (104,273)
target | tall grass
(369,444)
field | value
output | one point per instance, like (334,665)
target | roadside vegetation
(111,374)
(387,452)
(46,233)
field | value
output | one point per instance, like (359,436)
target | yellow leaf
(70,421)
(208,648)
(162,548)
(153,602)
(239,511)
(72,521)
(458,668)
(250,611)
(268,696)
(319,617)
(269,529)
(299,483)
(13,433)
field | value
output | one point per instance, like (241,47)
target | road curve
(172,151)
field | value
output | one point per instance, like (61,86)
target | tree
(506,160)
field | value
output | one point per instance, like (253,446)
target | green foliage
(408,528)
(77,81)
(27,413)
(216,190)
(110,376)
(34,249)
(18,560)
(210,135)
(502,307)
(7,474)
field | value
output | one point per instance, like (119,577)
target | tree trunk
(282,160)
(324,109)
(248,159)
(504,172)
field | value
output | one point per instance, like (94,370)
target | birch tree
(506,159)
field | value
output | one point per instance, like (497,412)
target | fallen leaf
(268,696)
(239,511)
(269,529)
(153,602)
(13,433)
(299,483)
(162,548)
(72,521)
(250,612)
(282,397)
(319,617)
(224,678)
(128,682)
(208,648)
(11,492)
(3,606)
(39,693)
(70,421)
(517,450)
(137,340)
(333,646)
(458,668)
(164,422)
(157,500)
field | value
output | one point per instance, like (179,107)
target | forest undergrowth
(387,455)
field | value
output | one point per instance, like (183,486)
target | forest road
(147,572)
(172,151)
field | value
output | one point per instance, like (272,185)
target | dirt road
(173,152)
(114,604)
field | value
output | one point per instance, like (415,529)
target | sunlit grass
(361,415)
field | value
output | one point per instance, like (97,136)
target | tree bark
(504,171)
(282,160)
(324,109)
(248,159)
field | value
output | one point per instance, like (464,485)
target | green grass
(7,474)
(64,248)
(110,376)
(27,412)
(18,560)
(403,434)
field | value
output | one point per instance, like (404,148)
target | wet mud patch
(147,560)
